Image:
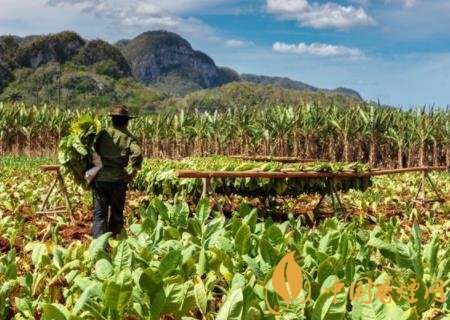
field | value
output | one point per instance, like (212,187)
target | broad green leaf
(232,308)
(186,298)
(251,219)
(254,266)
(24,306)
(416,236)
(179,298)
(98,245)
(325,307)
(387,250)
(161,208)
(103,269)
(214,226)
(244,210)
(407,257)
(326,269)
(431,252)
(350,268)
(158,303)
(375,310)
(123,257)
(55,311)
(203,210)
(201,298)
(268,253)
(202,266)
(58,257)
(39,256)
(410,314)
(84,299)
(118,292)
(443,268)
(150,281)
(242,241)
(274,235)
(239,281)
(170,262)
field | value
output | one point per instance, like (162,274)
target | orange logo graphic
(289,279)
(287,282)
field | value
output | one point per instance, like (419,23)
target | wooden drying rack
(330,178)
(62,186)
(208,186)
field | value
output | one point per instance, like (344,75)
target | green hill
(286,83)
(151,71)
(240,94)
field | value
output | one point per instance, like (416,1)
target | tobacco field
(181,259)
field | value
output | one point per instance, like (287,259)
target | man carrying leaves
(116,147)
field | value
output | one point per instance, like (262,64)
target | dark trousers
(108,194)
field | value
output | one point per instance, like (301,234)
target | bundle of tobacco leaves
(76,149)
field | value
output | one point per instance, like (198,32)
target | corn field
(384,137)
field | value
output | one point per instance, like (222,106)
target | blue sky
(395,51)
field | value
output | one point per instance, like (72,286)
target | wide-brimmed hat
(120,111)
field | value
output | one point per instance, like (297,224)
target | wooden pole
(58,180)
(278,159)
(65,193)
(316,208)
(335,193)
(298,174)
(424,179)
(205,187)
(216,199)
(249,174)
(331,191)
(49,192)
(422,190)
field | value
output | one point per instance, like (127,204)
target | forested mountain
(149,71)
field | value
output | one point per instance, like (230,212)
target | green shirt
(116,147)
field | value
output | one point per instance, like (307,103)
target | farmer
(117,147)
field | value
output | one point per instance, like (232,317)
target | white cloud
(363,3)
(173,6)
(317,49)
(142,14)
(287,6)
(410,3)
(405,3)
(234,43)
(317,15)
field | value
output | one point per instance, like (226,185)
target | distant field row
(380,136)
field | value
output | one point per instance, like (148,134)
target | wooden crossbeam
(278,159)
(299,174)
